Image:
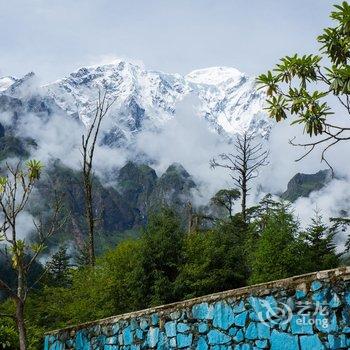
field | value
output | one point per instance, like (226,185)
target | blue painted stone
(162,341)
(320,296)
(335,301)
(202,327)
(241,319)
(127,336)
(134,347)
(172,342)
(133,324)
(81,341)
(175,315)
(184,340)
(46,343)
(326,324)
(144,324)
(139,333)
(300,324)
(154,319)
(347,298)
(110,347)
(283,341)
(183,327)
(111,340)
(246,347)
(170,329)
(120,339)
(337,342)
(203,311)
(262,344)
(152,337)
(300,294)
(251,331)
(316,285)
(346,330)
(223,315)
(217,337)
(239,337)
(311,342)
(238,308)
(202,344)
(232,331)
(115,328)
(263,331)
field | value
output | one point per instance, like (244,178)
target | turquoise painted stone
(283,341)
(134,347)
(337,342)
(334,302)
(216,337)
(110,347)
(170,329)
(111,340)
(202,344)
(162,341)
(262,344)
(139,333)
(241,319)
(300,294)
(238,308)
(202,327)
(326,324)
(316,285)
(300,324)
(346,330)
(223,316)
(133,324)
(183,327)
(239,337)
(127,336)
(152,337)
(172,342)
(175,315)
(311,342)
(46,343)
(232,331)
(143,324)
(203,311)
(263,331)
(251,331)
(184,340)
(320,296)
(347,298)
(81,341)
(154,319)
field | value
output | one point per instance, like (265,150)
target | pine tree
(58,268)
(321,249)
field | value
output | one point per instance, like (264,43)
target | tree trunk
(90,221)
(22,334)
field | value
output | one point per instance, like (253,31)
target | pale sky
(53,38)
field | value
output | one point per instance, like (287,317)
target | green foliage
(8,334)
(162,254)
(58,268)
(291,85)
(321,249)
(278,253)
(226,198)
(214,260)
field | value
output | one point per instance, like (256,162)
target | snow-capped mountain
(229,100)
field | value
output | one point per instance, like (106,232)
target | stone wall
(307,312)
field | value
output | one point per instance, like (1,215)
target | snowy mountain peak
(215,75)
(146,99)
(6,82)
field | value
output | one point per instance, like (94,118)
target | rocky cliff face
(301,185)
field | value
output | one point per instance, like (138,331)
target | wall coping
(301,281)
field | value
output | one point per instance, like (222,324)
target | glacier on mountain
(229,100)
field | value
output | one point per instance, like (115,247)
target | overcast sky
(54,38)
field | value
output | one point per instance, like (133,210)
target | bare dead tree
(88,150)
(243,164)
(15,191)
